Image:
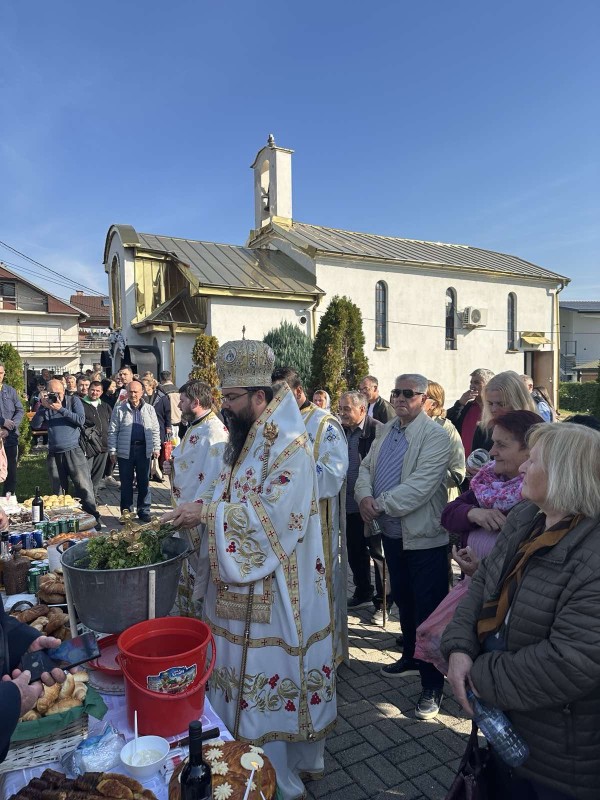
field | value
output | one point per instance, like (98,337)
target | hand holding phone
(69,654)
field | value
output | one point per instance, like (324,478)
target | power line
(49,269)
(39,275)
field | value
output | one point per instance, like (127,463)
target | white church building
(438,309)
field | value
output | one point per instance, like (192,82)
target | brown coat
(548,678)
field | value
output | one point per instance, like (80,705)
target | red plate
(107,660)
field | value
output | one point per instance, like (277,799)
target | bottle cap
(196,730)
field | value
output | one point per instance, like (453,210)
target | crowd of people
(283,498)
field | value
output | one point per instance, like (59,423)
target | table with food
(130,720)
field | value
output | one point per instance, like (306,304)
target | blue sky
(467,121)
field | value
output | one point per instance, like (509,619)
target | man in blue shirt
(65,418)
(11,414)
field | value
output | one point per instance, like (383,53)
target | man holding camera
(65,418)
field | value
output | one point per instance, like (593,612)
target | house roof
(55,304)
(335,242)
(583,306)
(226,266)
(93,306)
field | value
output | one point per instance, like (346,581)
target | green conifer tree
(14,377)
(205,369)
(292,348)
(339,361)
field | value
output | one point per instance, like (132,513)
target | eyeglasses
(229,398)
(408,393)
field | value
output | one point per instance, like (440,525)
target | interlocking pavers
(430,787)
(355,754)
(337,743)
(366,778)
(386,770)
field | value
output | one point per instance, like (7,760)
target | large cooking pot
(111,600)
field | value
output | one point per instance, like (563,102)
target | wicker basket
(35,752)
(15,575)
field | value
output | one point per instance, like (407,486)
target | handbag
(473,780)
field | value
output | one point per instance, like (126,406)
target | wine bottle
(37,507)
(196,777)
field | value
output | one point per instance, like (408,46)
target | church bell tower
(272,185)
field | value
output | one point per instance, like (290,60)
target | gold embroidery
(243,546)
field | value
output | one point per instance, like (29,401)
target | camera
(52,397)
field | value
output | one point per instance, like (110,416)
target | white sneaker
(110,481)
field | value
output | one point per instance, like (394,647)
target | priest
(266,600)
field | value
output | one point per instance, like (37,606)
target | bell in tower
(272,185)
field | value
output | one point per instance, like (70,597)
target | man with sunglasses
(402,484)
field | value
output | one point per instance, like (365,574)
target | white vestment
(267,588)
(330,451)
(197,463)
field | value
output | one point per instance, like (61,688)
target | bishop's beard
(239,427)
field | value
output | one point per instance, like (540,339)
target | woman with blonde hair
(434,408)
(503,393)
(526,637)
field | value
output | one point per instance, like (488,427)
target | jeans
(419,580)
(73,464)
(361,549)
(12,452)
(137,464)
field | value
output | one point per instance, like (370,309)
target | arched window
(381,315)
(115,294)
(511,322)
(450,319)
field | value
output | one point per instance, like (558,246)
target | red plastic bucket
(166,655)
(162,713)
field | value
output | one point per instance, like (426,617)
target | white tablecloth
(11,782)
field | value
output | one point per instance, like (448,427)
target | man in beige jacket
(401,490)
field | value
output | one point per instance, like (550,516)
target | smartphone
(68,654)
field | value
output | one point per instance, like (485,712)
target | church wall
(227,316)
(416,320)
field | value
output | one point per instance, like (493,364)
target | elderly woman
(526,638)
(434,408)
(161,404)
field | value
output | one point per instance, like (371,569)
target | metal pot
(111,600)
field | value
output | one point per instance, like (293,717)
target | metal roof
(373,246)
(229,266)
(583,306)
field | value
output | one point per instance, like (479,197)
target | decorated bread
(231,765)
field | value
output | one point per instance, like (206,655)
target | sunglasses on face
(408,393)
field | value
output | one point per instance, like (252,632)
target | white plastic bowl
(145,743)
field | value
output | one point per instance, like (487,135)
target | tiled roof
(373,246)
(93,306)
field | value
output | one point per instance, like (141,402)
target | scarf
(539,542)
(493,491)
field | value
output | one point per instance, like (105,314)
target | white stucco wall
(583,329)
(416,314)
(227,316)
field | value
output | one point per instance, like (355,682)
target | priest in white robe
(330,451)
(195,466)
(266,600)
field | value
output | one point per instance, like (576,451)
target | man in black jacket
(17,695)
(377,407)
(11,414)
(360,432)
(94,438)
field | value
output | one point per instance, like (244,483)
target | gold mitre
(245,362)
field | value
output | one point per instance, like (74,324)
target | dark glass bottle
(196,778)
(37,507)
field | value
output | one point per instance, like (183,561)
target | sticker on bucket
(172,680)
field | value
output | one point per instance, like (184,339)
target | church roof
(335,242)
(227,266)
(583,306)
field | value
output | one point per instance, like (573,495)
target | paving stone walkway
(378,749)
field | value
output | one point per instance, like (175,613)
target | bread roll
(63,705)
(68,687)
(81,676)
(30,716)
(49,697)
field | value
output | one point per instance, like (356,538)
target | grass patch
(32,472)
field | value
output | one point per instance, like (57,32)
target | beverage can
(27,541)
(63,525)
(38,538)
(33,579)
(14,539)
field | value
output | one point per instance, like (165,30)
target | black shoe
(428,704)
(400,669)
(400,640)
(99,526)
(144,518)
(357,602)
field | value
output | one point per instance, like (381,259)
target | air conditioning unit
(475,317)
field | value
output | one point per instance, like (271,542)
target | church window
(511,322)
(451,319)
(381,315)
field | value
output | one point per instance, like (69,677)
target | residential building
(94,332)
(42,327)
(579,339)
(429,307)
